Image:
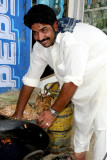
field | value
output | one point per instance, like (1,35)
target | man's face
(44,33)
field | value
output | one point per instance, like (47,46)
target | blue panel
(14,44)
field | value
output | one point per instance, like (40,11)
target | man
(78,54)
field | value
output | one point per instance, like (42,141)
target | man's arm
(66,93)
(24,96)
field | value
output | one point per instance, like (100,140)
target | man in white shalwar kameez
(79,59)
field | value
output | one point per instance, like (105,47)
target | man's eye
(44,30)
(35,33)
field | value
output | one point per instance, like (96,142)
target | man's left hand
(45,119)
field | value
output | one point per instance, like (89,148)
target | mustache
(43,40)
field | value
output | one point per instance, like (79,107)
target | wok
(24,140)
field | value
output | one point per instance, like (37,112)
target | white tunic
(79,57)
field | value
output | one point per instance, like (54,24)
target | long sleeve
(36,68)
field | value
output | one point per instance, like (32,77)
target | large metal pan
(25,138)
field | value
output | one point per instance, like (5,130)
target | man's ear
(55,26)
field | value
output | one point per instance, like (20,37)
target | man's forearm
(24,96)
(46,118)
(66,93)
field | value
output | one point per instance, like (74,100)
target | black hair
(40,14)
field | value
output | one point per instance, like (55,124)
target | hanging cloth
(66,24)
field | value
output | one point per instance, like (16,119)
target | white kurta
(79,57)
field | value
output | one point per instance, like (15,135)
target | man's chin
(46,45)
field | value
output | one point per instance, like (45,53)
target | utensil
(24,138)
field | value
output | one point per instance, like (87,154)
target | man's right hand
(25,93)
(17,116)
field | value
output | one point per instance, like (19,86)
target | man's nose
(40,36)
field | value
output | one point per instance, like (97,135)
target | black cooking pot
(21,140)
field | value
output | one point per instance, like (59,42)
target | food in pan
(6,140)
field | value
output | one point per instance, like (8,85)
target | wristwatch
(53,112)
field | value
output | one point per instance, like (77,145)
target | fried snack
(31,112)
(43,102)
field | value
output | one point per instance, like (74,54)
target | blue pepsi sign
(14,43)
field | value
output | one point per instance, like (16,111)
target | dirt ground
(12,97)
